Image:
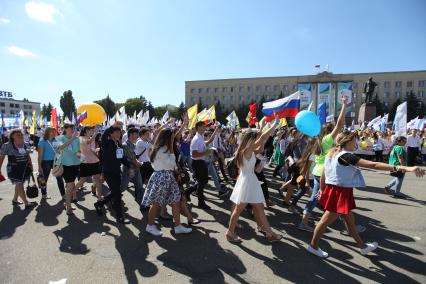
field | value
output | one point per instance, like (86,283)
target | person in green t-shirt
(397,157)
(325,143)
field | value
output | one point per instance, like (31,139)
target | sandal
(194,222)
(233,239)
(274,238)
(16,202)
(260,230)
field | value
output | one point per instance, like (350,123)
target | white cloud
(4,20)
(41,11)
(20,51)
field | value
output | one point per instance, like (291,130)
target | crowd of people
(169,164)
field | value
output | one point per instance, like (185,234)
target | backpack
(232,168)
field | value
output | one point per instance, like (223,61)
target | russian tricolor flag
(81,117)
(285,107)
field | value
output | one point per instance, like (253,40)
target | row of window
(16,106)
(284,88)
(12,112)
(232,98)
(398,84)
(243,89)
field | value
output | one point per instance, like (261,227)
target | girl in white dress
(247,189)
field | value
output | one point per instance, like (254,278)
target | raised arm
(386,167)
(341,119)
(266,134)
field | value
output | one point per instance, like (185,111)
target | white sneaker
(369,248)
(182,230)
(318,252)
(153,230)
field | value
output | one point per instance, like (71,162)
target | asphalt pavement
(44,244)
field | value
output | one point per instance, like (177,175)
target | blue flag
(322,113)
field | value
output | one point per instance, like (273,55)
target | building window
(398,84)
(207,90)
(241,98)
(2,104)
(241,89)
(30,107)
(12,112)
(12,105)
(250,98)
(409,84)
(192,91)
(421,84)
(3,111)
(25,113)
(208,100)
(248,89)
(200,90)
(421,94)
(216,90)
(17,105)
(216,99)
(397,95)
(224,90)
(276,88)
(223,98)
(232,89)
(386,95)
(231,98)
(258,98)
(267,88)
(267,97)
(285,88)
(355,85)
(386,84)
(257,88)
(294,87)
(192,100)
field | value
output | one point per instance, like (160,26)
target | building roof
(19,101)
(308,75)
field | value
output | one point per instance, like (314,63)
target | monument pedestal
(367,112)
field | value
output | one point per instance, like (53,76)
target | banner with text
(344,88)
(305,94)
(325,96)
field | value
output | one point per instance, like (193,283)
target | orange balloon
(95,114)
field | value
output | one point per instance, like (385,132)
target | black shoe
(98,208)
(400,196)
(203,205)
(74,201)
(30,205)
(123,220)
(144,208)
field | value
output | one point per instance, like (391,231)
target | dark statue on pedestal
(369,87)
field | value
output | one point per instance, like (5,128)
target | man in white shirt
(413,147)
(199,152)
(142,151)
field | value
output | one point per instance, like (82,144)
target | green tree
(67,103)
(422,109)
(413,106)
(150,108)
(259,114)
(220,113)
(133,105)
(200,105)
(242,112)
(45,110)
(160,111)
(108,105)
(181,110)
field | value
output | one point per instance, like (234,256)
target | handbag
(32,190)
(57,169)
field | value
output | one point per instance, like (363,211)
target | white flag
(21,119)
(400,122)
(146,117)
(311,106)
(165,117)
(374,121)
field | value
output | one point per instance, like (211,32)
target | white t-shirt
(142,150)
(164,161)
(413,141)
(198,144)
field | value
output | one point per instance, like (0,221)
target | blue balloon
(308,123)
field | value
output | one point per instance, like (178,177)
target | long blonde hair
(247,140)
(341,140)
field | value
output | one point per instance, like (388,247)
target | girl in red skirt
(341,174)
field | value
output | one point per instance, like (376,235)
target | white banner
(400,122)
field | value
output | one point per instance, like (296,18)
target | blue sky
(129,48)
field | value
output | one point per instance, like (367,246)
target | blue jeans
(213,174)
(137,181)
(397,182)
(312,202)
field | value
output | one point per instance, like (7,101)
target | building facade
(9,106)
(234,93)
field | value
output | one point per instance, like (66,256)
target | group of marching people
(168,164)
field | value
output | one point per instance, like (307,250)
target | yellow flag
(207,114)
(62,120)
(26,122)
(192,116)
(41,119)
(34,124)
(283,122)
